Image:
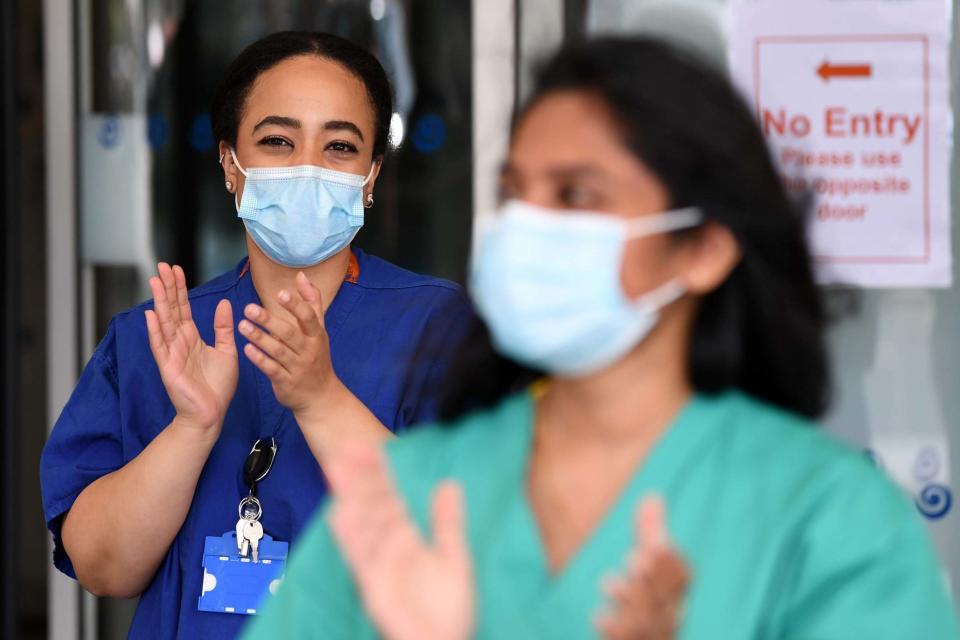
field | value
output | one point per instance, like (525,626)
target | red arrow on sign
(827,71)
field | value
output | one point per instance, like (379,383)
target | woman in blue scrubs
(147,457)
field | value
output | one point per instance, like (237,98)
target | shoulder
(755,429)
(376,273)
(814,476)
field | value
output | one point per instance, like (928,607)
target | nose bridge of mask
(364,183)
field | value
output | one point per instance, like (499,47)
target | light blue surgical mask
(547,283)
(300,216)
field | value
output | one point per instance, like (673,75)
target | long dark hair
(762,330)
(227,107)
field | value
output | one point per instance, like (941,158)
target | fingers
(279,328)
(666,575)
(302,311)
(628,614)
(157,344)
(270,367)
(655,559)
(310,294)
(645,601)
(266,343)
(170,290)
(223,327)
(161,307)
(368,518)
(183,297)
(447,520)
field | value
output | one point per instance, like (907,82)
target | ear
(713,255)
(230,172)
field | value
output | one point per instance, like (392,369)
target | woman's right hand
(412,587)
(199,379)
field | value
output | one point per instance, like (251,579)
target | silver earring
(369,202)
(228,185)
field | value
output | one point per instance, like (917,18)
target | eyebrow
(563,171)
(282,121)
(343,125)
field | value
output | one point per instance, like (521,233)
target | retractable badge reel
(243,566)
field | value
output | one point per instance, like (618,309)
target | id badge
(233,584)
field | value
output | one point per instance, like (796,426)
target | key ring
(247,502)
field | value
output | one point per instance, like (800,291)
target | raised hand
(645,602)
(199,379)
(411,588)
(293,351)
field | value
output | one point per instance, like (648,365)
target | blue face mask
(300,216)
(547,283)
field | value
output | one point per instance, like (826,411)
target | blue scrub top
(389,330)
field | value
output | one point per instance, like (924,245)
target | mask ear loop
(369,177)
(672,290)
(233,155)
(664,222)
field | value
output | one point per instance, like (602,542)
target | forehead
(566,127)
(309,88)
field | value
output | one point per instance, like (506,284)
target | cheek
(240,183)
(644,266)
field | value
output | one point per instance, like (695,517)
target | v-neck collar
(272,414)
(615,530)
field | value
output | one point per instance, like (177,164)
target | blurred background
(107,164)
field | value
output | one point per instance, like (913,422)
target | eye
(576,196)
(275,141)
(341,147)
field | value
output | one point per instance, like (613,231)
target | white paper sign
(853,98)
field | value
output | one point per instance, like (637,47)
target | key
(240,539)
(252,532)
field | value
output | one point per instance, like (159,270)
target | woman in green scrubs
(664,479)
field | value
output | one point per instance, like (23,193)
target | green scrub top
(789,534)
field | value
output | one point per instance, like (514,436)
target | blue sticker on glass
(429,133)
(110,131)
(157,131)
(232,584)
(201,133)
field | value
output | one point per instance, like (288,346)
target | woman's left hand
(645,602)
(293,351)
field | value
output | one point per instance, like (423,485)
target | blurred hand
(645,602)
(293,351)
(411,589)
(199,379)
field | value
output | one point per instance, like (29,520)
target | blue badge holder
(232,584)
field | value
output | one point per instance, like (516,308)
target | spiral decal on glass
(934,501)
(927,464)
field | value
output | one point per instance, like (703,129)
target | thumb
(223,328)
(447,520)
(651,523)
